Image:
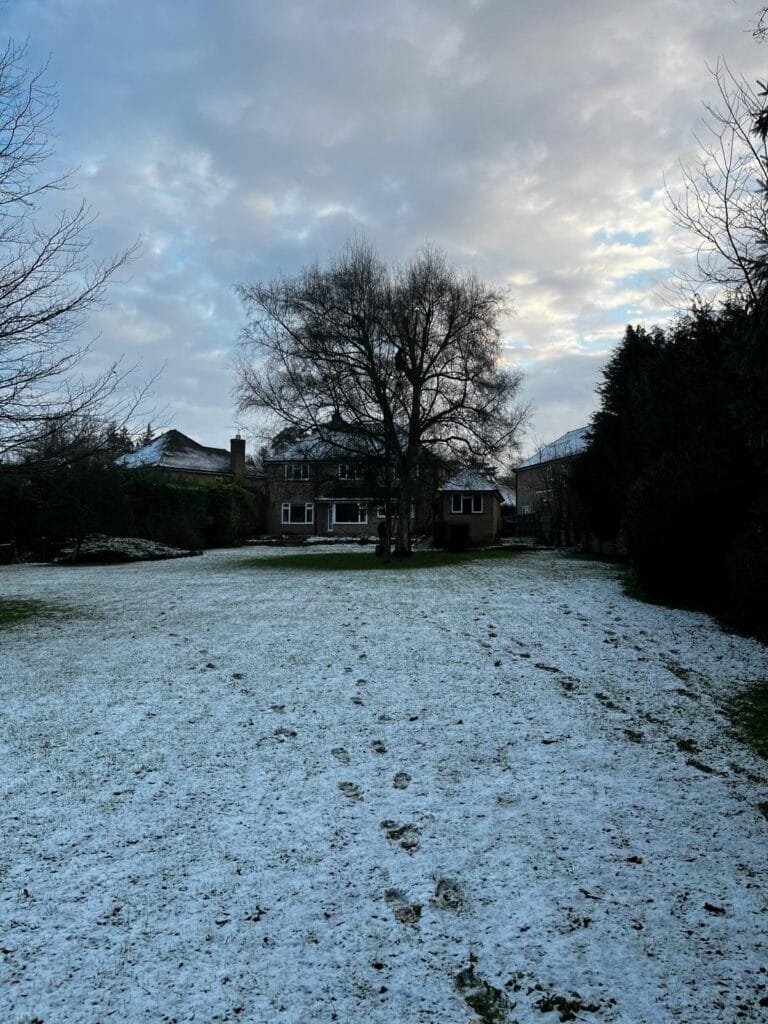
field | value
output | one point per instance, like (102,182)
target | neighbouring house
(546,504)
(329,486)
(178,457)
(471,502)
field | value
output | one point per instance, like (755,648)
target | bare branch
(722,198)
(47,285)
(409,358)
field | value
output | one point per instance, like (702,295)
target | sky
(246,138)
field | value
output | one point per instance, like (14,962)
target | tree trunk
(403,539)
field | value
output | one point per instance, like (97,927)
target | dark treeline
(678,460)
(40,512)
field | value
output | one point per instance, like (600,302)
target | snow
(255,795)
(572,443)
(333,444)
(468,480)
(174,450)
(100,548)
(150,455)
(508,496)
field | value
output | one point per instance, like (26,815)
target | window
(525,510)
(297,471)
(466,504)
(349,471)
(348,513)
(304,513)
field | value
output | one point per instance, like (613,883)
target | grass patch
(749,714)
(594,556)
(356,561)
(13,611)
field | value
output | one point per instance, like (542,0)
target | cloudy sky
(242,138)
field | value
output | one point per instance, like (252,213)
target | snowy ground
(232,795)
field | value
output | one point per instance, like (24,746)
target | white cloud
(241,140)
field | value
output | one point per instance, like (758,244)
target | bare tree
(724,191)
(47,284)
(409,358)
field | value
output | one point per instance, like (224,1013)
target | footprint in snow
(448,895)
(401,780)
(378,747)
(350,790)
(341,755)
(282,734)
(404,836)
(405,912)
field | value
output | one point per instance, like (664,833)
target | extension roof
(572,443)
(469,480)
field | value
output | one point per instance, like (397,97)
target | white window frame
(350,471)
(309,513)
(362,509)
(474,501)
(297,471)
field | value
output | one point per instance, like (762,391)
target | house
(329,485)
(471,501)
(178,457)
(546,503)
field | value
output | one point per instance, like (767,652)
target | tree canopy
(408,358)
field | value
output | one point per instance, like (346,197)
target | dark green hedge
(39,512)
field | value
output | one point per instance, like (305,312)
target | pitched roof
(469,480)
(336,444)
(174,450)
(508,496)
(569,444)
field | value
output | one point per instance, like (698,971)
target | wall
(484,527)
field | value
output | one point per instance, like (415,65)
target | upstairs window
(349,471)
(297,471)
(466,504)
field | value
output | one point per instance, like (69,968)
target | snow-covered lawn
(256,795)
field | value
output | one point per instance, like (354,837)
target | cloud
(242,140)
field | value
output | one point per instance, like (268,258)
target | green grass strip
(749,714)
(356,561)
(13,610)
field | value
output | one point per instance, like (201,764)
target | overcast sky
(242,138)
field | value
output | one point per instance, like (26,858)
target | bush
(746,574)
(191,515)
(671,532)
(84,498)
(20,503)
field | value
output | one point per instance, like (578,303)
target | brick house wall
(485,525)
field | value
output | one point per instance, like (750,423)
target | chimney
(237,457)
